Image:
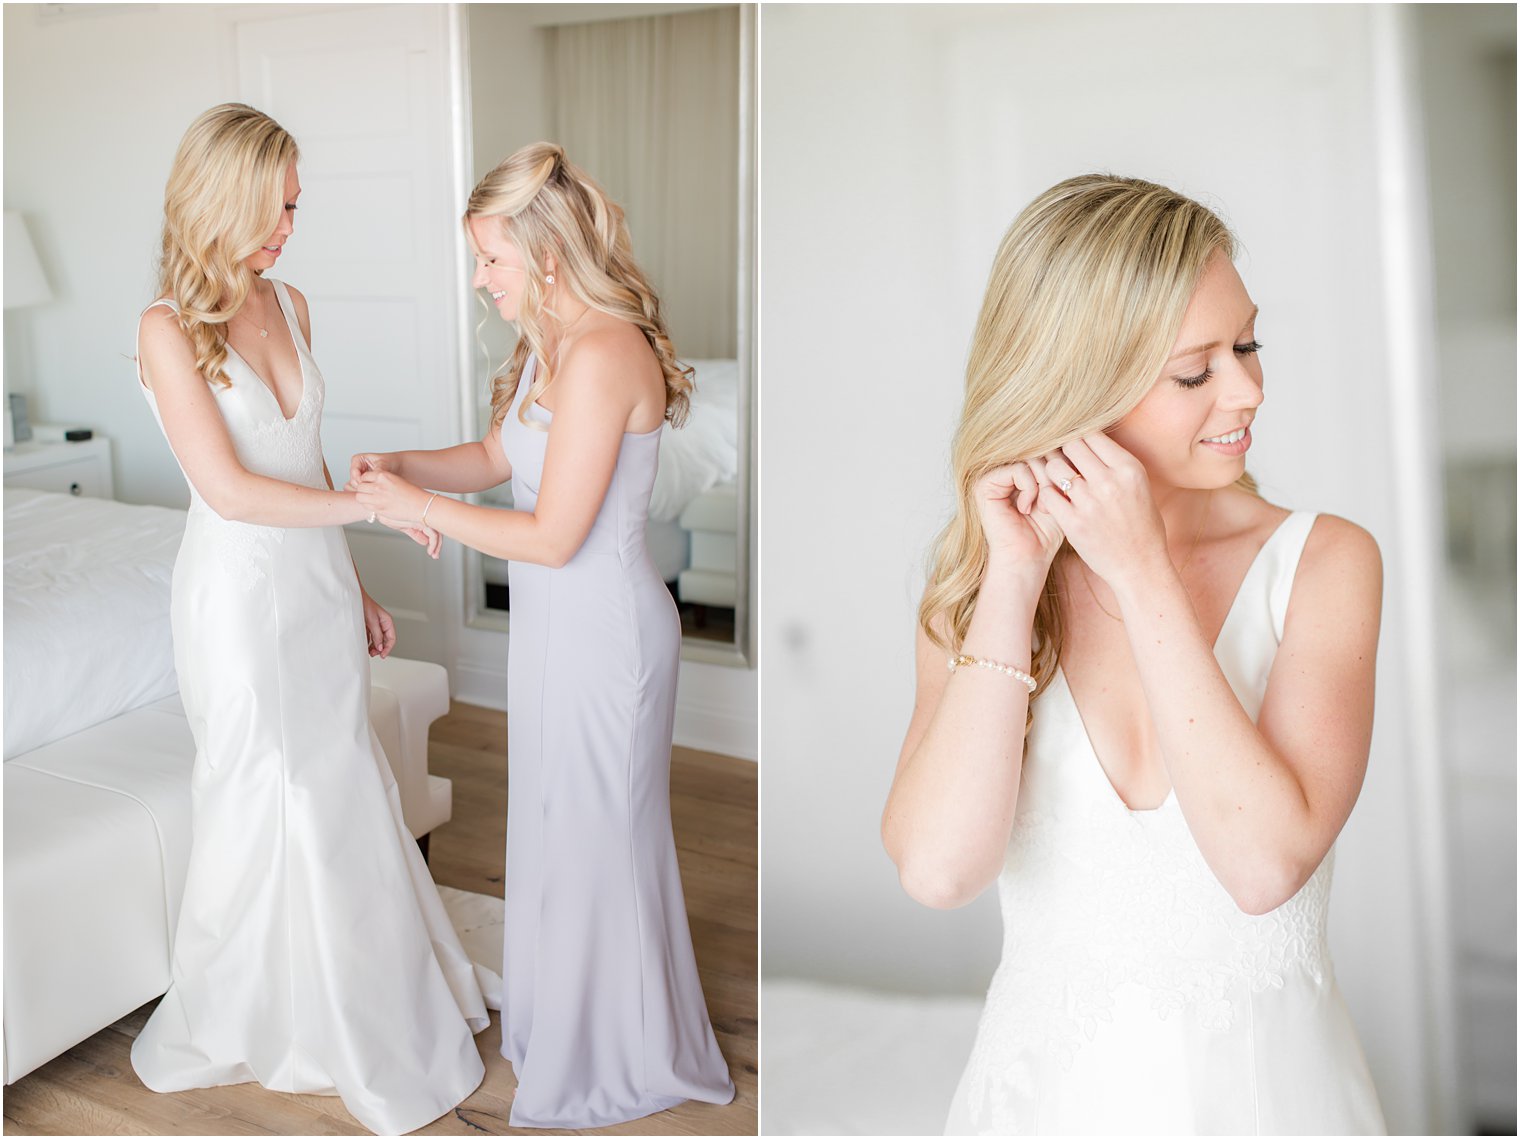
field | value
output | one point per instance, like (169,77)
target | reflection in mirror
(650,108)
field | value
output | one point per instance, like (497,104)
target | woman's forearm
(512,535)
(463,469)
(1242,801)
(950,812)
(263,501)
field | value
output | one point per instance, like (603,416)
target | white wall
(898,144)
(95,103)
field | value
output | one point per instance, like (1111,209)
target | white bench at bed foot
(712,519)
(97,837)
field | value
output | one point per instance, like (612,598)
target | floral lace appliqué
(1103,900)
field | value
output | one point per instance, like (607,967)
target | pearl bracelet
(1018,674)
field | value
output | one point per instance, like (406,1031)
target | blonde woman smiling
(312,952)
(1157,708)
(603,1017)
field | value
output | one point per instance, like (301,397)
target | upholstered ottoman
(97,837)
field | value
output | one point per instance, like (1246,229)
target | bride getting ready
(312,953)
(1157,709)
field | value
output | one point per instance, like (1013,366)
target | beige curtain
(649,107)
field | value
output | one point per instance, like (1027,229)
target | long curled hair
(548,205)
(1084,302)
(223,199)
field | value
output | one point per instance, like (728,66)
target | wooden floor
(92,1090)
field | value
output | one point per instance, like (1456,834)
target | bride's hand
(379,628)
(1107,512)
(371,461)
(1021,539)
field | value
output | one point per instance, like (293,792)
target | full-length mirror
(655,107)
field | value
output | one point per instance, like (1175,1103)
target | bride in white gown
(312,952)
(1158,706)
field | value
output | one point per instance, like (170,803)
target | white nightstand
(66,468)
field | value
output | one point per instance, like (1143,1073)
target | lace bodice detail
(1096,897)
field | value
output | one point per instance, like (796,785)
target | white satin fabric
(1133,996)
(312,952)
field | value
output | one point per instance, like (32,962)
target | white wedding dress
(1133,996)
(312,952)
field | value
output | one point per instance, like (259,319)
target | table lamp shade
(25,283)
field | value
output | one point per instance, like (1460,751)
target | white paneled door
(365,91)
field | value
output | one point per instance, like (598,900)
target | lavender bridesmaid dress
(603,1017)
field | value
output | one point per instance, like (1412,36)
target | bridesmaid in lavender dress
(603,1017)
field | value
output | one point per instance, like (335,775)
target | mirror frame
(739,654)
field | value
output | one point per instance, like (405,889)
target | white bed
(840,1060)
(86,579)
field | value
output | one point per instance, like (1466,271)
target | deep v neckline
(300,363)
(1092,751)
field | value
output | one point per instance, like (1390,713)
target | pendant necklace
(243,312)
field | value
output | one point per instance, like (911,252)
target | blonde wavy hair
(548,205)
(224,197)
(1083,305)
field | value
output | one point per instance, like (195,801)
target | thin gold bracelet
(425,509)
(1018,674)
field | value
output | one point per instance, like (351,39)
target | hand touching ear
(1100,496)
(1018,535)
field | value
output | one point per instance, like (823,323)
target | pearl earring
(549,278)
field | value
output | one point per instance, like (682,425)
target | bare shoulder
(1340,545)
(161,337)
(157,318)
(611,366)
(1338,586)
(298,299)
(606,354)
(303,312)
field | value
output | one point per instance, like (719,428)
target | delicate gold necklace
(243,312)
(1193,549)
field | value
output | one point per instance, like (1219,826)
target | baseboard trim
(711,728)
(482,684)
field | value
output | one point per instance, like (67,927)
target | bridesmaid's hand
(371,461)
(378,626)
(390,496)
(1107,513)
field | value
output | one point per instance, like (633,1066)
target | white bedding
(86,612)
(848,1061)
(705,451)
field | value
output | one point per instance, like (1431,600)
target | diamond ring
(1065,485)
